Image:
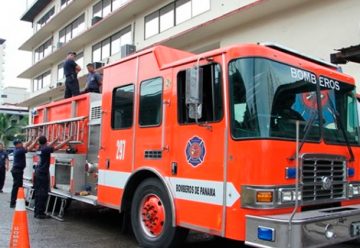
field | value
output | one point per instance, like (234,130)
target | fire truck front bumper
(316,228)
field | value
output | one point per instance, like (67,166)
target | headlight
(354,190)
(289,195)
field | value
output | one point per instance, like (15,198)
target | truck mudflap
(316,228)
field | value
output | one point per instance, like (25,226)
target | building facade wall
(314,27)
(2,63)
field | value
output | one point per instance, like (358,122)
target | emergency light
(290,172)
(351,172)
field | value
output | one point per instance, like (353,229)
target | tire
(151,217)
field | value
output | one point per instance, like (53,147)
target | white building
(98,30)
(13,95)
(2,62)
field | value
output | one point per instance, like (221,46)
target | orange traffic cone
(19,232)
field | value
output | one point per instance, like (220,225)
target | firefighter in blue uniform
(18,167)
(71,70)
(42,175)
(4,166)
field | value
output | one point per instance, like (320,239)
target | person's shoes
(12,205)
(41,216)
(1,191)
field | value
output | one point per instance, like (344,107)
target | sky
(15,32)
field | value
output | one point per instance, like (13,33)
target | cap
(17,141)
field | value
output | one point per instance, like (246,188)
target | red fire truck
(256,142)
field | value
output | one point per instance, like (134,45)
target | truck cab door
(197,150)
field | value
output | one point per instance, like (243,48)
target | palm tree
(11,127)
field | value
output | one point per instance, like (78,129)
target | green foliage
(11,127)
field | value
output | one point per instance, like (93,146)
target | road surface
(89,227)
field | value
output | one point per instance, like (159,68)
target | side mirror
(193,90)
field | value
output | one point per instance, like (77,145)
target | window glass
(339,111)
(150,102)
(46,80)
(151,24)
(62,36)
(183,11)
(80,59)
(105,51)
(268,98)
(106,7)
(48,47)
(64,3)
(123,107)
(97,9)
(126,37)
(115,43)
(167,17)
(60,72)
(117,3)
(212,104)
(96,54)
(68,34)
(78,26)
(200,6)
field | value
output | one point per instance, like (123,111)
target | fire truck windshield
(268,97)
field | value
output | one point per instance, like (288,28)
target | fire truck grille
(323,178)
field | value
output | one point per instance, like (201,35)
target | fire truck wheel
(151,217)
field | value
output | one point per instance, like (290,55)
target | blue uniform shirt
(93,80)
(19,159)
(69,67)
(44,153)
(3,157)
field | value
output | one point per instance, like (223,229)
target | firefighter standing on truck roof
(19,165)
(71,70)
(93,81)
(4,166)
(42,175)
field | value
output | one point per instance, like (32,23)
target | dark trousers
(71,87)
(18,182)
(2,176)
(94,90)
(42,185)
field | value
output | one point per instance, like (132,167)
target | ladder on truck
(29,198)
(55,206)
(62,129)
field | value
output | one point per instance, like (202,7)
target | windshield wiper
(307,129)
(339,122)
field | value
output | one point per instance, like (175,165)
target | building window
(183,11)
(118,3)
(65,3)
(45,19)
(4,96)
(199,6)
(42,81)
(167,17)
(111,45)
(80,59)
(105,7)
(72,30)
(212,104)
(43,50)
(60,72)
(173,14)
(122,107)
(150,102)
